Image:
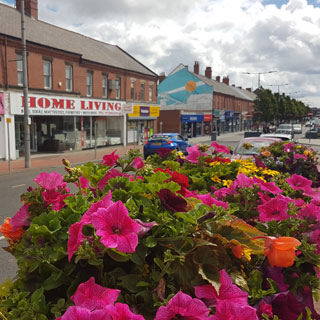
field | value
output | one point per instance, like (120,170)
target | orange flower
(281,251)
(6,230)
(266,153)
(237,251)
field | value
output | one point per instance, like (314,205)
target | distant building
(82,91)
(194,104)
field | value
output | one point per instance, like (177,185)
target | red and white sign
(1,103)
(65,106)
(310,114)
(207,117)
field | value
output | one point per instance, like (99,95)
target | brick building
(194,104)
(82,92)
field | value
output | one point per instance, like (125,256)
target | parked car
(241,150)
(297,128)
(279,134)
(170,141)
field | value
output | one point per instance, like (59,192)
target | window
(104,85)
(142,90)
(118,88)
(20,70)
(68,77)
(132,88)
(47,74)
(151,91)
(89,83)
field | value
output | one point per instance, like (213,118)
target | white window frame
(69,77)
(118,88)
(89,83)
(151,91)
(20,70)
(47,74)
(104,86)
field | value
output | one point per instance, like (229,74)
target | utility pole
(259,73)
(25,91)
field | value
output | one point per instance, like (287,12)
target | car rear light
(169,142)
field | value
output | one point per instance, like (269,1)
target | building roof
(223,88)
(45,34)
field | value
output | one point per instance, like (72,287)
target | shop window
(104,85)
(47,74)
(142,91)
(20,70)
(151,91)
(89,83)
(132,88)
(68,77)
(118,88)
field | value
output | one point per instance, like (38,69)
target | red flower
(163,152)
(172,202)
(6,230)
(110,159)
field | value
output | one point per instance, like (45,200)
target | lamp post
(259,73)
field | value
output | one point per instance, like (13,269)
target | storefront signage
(192,118)
(145,111)
(61,106)
(229,114)
(1,103)
(127,108)
(207,117)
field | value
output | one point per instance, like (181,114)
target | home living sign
(62,105)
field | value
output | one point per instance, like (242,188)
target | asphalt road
(14,184)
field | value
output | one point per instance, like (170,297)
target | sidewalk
(75,157)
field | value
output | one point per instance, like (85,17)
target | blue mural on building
(185,90)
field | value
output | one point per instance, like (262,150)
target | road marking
(2,238)
(19,185)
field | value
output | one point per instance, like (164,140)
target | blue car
(170,141)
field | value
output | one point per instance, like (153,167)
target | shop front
(207,119)
(191,125)
(142,123)
(59,123)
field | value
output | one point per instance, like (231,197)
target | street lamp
(259,73)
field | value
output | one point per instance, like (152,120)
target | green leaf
(186,217)
(118,256)
(37,295)
(159,263)
(150,242)
(138,257)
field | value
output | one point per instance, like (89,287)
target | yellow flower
(307,153)
(146,195)
(180,154)
(216,179)
(227,183)
(247,253)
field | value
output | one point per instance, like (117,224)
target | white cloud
(231,36)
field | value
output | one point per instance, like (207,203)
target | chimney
(161,77)
(225,80)
(208,73)
(30,8)
(248,89)
(218,78)
(196,67)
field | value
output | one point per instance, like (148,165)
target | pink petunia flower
(223,192)
(105,202)
(227,292)
(75,238)
(110,159)
(78,313)
(137,163)
(274,209)
(298,156)
(209,200)
(227,310)
(50,181)
(264,197)
(121,311)
(113,173)
(310,211)
(145,227)
(298,182)
(92,296)
(116,228)
(20,219)
(184,306)
(267,186)
(243,181)
(220,148)
(55,198)
(194,154)
(288,147)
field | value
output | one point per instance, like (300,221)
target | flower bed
(172,237)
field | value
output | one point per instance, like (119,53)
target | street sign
(8,120)
(310,114)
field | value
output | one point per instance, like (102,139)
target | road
(14,184)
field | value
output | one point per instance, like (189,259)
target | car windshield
(297,126)
(256,146)
(161,137)
(285,126)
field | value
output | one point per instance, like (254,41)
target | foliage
(195,219)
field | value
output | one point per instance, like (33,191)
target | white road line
(19,185)
(2,238)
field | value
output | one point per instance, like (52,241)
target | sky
(233,37)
